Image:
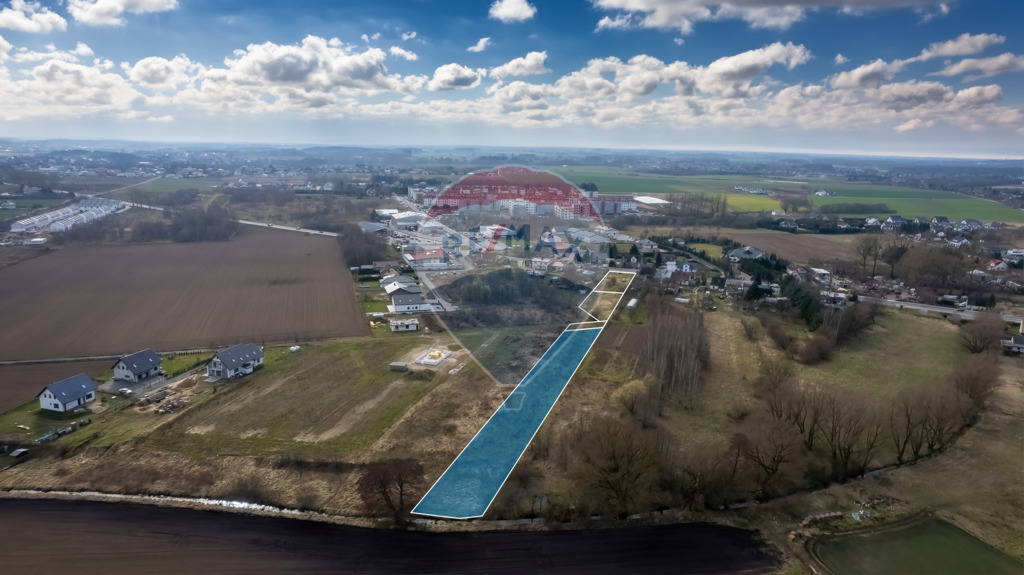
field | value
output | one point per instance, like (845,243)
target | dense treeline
(855,208)
(358,247)
(192,224)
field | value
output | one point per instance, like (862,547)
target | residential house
(941,221)
(996,266)
(921,222)
(235,361)
(408,303)
(789,225)
(872,223)
(646,247)
(428,259)
(398,288)
(8,205)
(821,275)
(405,324)
(666,271)
(137,366)
(959,242)
(894,223)
(745,253)
(994,225)
(969,225)
(67,394)
(1014,345)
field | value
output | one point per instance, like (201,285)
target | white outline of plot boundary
(571,327)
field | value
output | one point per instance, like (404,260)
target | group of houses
(80,389)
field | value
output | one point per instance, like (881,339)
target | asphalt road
(81,537)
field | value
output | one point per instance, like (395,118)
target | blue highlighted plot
(468,486)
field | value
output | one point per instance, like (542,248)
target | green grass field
(329,398)
(713,251)
(930,546)
(903,349)
(908,202)
(166,186)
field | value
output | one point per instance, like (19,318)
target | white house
(67,394)
(137,366)
(408,303)
(405,324)
(428,259)
(996,266)
(235,361)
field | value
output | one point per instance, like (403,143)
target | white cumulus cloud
(532,63)
(23,16)
(109,12)
(964,45)
(454,77)
(681,15)
(840,60)
(512,10)
(984,67)
(406,36)
(480,45)
(403,53)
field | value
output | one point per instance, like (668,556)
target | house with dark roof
(235,361)
(745,253)
(137,366)
(67,394)
(407,303)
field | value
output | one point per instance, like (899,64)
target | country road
(965,314)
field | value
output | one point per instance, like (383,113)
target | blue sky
(902,77)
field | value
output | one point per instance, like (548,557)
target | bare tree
(768,444)
(677,350)
(389,486)
(980,334)
(893,252)
(946,413)
(976,378)
(905,419)
(866,246)
(846,417)
(618,462)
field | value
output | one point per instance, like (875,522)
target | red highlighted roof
(510,185)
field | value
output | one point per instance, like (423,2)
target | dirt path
(126,538)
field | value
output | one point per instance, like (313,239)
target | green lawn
(713,251)
(375,306)
(41,421)
(183,362)
(904,349)
(930,546)
(165,186)
(908,202)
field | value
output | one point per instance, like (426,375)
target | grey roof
(414,299)
(746,253)
(72,388)
(407,289)
(141,361)
(238,355)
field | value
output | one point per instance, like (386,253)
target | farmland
(263,285)
(19,383)
(908,202)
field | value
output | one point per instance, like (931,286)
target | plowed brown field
(263,286)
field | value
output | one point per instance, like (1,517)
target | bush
(816,350)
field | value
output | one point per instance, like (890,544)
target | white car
(124,391)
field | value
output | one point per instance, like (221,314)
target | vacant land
(793,247)
(264,286)
(18,383)
(928,546)
(908,202)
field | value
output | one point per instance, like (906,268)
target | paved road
(965,314)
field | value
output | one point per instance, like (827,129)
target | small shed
(632,303)
(398,366)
